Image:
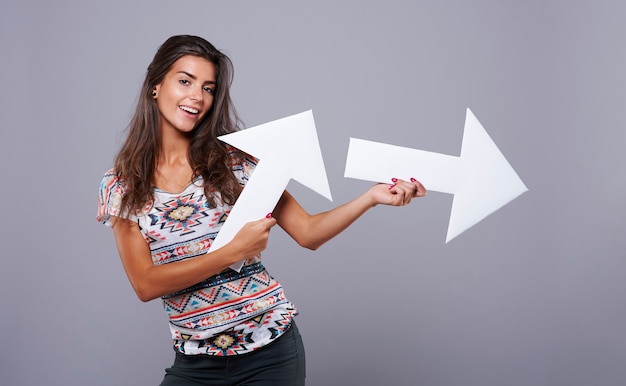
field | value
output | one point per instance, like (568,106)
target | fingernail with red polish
(394,180)
(413,179)
(269,215)
(392,186)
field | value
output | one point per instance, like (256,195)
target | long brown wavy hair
(136,161)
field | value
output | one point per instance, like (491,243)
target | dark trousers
(280,363)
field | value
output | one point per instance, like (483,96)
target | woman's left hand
(399,193)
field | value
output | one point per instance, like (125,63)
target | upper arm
(134,252)
(293,218)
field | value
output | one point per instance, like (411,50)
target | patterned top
(230,313)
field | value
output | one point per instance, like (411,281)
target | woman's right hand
(252,237)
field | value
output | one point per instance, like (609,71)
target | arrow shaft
(256,200)
(379,162)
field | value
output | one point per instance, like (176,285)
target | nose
(196,94)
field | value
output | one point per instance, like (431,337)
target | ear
(155,91)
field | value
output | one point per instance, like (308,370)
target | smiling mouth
(188,109)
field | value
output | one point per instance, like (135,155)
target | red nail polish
(269,215)
(394,180)
(392,186)
(413,179)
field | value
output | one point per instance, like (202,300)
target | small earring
(154,94)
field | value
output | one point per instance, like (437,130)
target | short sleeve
(109,197)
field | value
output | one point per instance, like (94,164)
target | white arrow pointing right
(481,179)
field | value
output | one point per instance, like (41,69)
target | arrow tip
(289,144)
(488,180)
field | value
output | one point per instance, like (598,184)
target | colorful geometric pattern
(109,197)
(227,343)
(181,213)
(230,313)
(181,251)
(249,336)
(195,311)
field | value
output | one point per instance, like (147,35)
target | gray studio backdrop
(531,296)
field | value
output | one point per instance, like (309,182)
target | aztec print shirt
(230,313)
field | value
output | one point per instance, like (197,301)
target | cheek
(162,105)
(167,100)
(209,106)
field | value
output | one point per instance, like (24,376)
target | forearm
(152,282)
(312,231)
(324,226)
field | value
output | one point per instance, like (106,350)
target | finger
(268,221)
(394,182)
(421,190)
(400,195)
(408,190)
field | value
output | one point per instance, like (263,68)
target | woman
(172,187)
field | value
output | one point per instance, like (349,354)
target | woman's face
(186,93)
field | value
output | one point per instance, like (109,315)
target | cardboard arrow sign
(287,148)
(481,179)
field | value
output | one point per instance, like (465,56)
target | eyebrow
(195,78)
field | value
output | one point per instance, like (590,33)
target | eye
(208,89)
(184,82)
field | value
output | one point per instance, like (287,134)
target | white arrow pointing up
(287,148)
(481,179)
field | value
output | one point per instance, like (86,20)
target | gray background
(532,295)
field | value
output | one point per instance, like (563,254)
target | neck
(173,172)
(174,149)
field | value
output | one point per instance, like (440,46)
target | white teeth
(188,109)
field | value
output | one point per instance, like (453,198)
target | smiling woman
(171,189)
(185,95)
